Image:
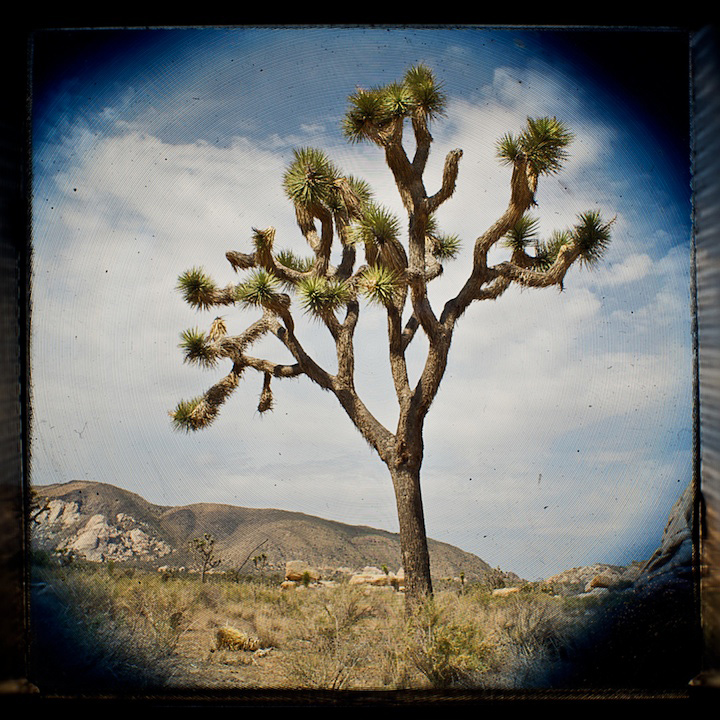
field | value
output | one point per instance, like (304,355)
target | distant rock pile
(593,578)
(60,527)
(300,574)
(670,566)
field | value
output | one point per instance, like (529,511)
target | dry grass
(149,631)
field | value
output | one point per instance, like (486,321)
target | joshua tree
(334,209)
(203,548)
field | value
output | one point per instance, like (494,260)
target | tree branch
(398,363)
(554,275)
(523,185)
(423,140)
(450,173)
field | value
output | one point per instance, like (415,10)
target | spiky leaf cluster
(372,111)
(377,226)
(426,91)
(310,180)
(320,296)
(381,285)
(261,289)
(197,349)
(523,233)
(290,260)
(543,142)
(197,288)
(445,247)
(547,251)
(361,188)
(185,417)
(592,236)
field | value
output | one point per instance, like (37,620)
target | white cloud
(532,378)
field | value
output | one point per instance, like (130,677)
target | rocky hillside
(670,566)
(101,522)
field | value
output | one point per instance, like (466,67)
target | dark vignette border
(15,267)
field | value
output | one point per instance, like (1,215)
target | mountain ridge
(101,522)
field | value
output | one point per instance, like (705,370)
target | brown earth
(242,532)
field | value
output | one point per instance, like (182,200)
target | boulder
(609,578)
(504,592)
(298,570)
(378,578)
(672,562)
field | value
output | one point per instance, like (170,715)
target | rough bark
(413,537)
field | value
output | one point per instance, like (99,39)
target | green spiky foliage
(381,285)
(398,100)
(443,247)
(322,297)
(261,289)
(377,226)
(361,188)
(184,416)
(524,233)
(368,113)
(426,91)
(543,142)
(547,251)
(290,260)
(446,247)
(379,230)
(197,288)
(310,179)
(197,349)
(592,237)
(372,111)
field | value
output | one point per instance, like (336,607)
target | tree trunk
(413,539)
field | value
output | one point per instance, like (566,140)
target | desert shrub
(230,638)
(340,638)
(446,644)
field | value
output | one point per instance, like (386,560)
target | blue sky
(562,432)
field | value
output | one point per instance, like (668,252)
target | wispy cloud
(132,194)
